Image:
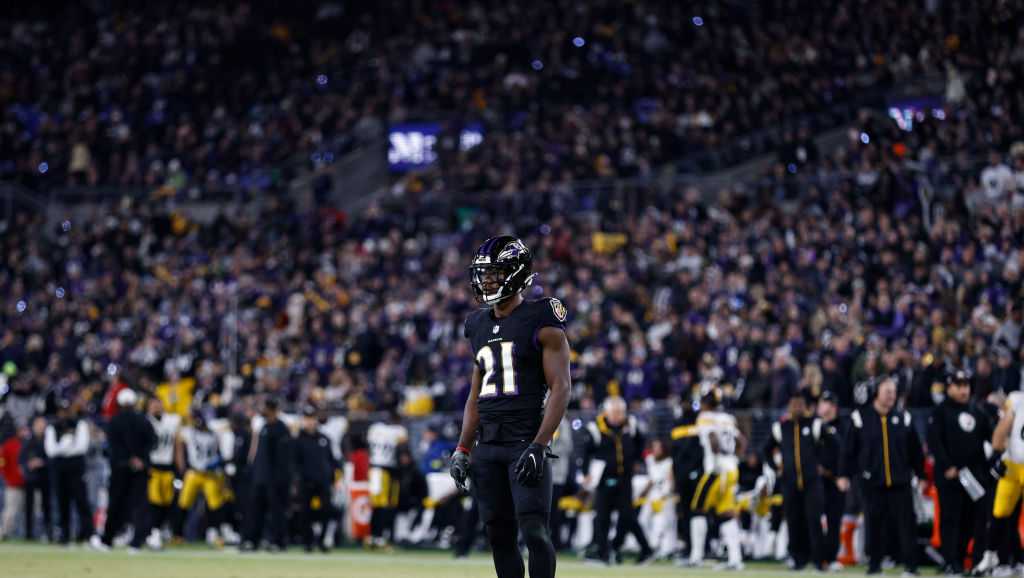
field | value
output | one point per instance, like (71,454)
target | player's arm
(555,353)
(1002,433)
(179,453)
(471,413)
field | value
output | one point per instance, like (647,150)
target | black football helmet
(501,269)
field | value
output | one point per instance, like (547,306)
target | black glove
(530,466)
(459,469)
(996,466)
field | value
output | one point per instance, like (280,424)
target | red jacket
(9,468)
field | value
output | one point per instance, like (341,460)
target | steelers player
(717,489)
(161,469)
(1009,438)
(384,438)
(201,446)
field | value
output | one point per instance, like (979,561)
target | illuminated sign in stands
(412,145)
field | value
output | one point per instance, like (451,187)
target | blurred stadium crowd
(901,254)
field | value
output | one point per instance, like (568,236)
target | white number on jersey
(489,388)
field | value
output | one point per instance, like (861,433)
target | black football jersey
(508,353)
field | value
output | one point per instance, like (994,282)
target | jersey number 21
(488,385)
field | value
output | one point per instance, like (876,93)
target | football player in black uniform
(519,393)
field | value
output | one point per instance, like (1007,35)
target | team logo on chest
(496,329)
(966,421)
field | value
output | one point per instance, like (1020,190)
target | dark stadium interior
(217,204)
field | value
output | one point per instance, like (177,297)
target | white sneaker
(133,551)
(1002,572)
(835,567)
(96,543)
(727,566)
(230,536)
(213,538)
(155,541)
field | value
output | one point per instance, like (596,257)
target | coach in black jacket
(615,440)
(271,476)
(131,438)
(315,465)
(957,433)
(884,450)
(798,436)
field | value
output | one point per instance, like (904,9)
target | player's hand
(459,469)
(530,467)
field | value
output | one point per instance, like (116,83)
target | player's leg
(703,500)
(727,509)
(213,493)
(533,509)
(493,493)
(1008,492)
(186,499)
(159,494)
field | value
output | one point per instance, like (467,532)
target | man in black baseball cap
(957,432)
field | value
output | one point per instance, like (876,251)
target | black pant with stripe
(889,513)
(616,495)
(803,507)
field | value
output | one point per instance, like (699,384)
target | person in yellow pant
(199,447)
(1008,438)
(160,489)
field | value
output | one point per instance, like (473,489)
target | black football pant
(267,500)
(616,498)
(507,507)
(803,509)
(127,499)
(557,516)
(686,487)
(70,474)
(961,519)
(41,485)
(468,520)
(835,503)
(318,495)
(889,513)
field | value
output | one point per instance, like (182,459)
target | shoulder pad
(858,421)
(777,431)
(550,312)
(1014,400)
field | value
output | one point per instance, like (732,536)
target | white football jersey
(660,474)
(1015,445)
(202,448)
(335,429)
(384,440)
(723,426)
(166,429)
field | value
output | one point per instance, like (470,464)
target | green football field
(36,561)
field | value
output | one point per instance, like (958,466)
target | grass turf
(36,561)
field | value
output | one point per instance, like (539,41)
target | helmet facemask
(501,270)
